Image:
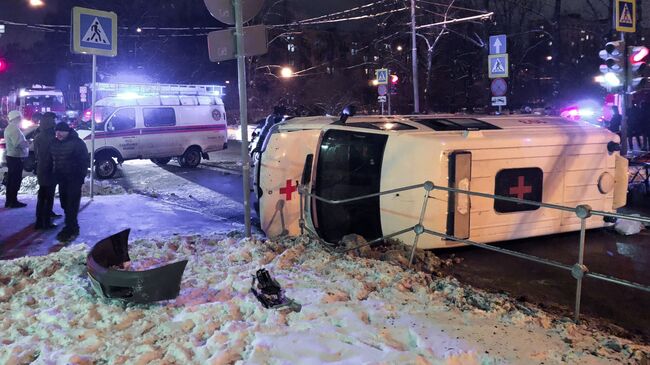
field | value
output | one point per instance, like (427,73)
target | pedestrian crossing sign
(498,65)
(94,32)
(625,16)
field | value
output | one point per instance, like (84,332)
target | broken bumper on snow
(161,283)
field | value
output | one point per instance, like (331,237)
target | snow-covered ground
(29,186)
(354,311)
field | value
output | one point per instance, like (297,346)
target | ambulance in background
(29,101)
(159,128)
(537,158)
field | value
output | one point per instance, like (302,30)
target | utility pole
(414,61)
(243,111)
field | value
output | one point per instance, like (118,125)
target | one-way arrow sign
(498,44)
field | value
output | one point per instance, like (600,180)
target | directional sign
(94,32)
(382,76)
(499,101)
(222,43)
(498,44)
(498,66)
(499,87)
(625,16)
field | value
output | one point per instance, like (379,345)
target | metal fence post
(301,222)
(578,271)
(419,228)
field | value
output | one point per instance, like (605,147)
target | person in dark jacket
(615,122)
(44,172)
(70,165)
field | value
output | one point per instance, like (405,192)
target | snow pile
(102,187)
(355,310)
(29,186)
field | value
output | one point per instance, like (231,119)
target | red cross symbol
(289,189)
(521,189)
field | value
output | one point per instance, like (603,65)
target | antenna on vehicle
(348,111)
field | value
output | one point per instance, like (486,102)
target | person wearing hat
(17,149)
(70,165)
(45,172)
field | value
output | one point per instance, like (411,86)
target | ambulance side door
(122,133)
(160,137)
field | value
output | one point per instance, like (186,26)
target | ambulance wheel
(191,158)
(161,161)
(105,167)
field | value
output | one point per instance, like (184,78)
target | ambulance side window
(159,117)
(122,119)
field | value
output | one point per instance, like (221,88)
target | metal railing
(579,270)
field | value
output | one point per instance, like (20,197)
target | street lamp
(375,82)
(36,3)
(286,72)
(399,48)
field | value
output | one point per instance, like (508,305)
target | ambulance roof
(160,100)
(442,123)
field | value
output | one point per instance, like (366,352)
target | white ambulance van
(186,127)
(542,159)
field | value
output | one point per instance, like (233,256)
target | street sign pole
(243,115)
(92,127)
(414,61)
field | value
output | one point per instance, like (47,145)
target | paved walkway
(105,215)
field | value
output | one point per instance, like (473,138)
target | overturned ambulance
(542,159)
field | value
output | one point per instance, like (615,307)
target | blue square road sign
(498,66)
(382,76)
(498,44)
(94,32)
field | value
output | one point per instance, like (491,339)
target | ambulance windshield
(349,165)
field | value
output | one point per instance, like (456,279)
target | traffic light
(394,79)
(612,69)
(638,63)
(3,65)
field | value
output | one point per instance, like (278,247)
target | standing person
(17,150)
(44,172)
(615,122)
(70,158)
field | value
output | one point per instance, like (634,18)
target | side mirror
(110,127)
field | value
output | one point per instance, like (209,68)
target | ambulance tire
(161,161)
(105,167)
(191,158)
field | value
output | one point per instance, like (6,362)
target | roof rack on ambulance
(160,89)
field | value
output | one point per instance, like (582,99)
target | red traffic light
(3,65)
(394,79)
(638,54)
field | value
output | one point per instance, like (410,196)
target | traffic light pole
(624,99)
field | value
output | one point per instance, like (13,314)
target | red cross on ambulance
(521,189)
(289,189)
